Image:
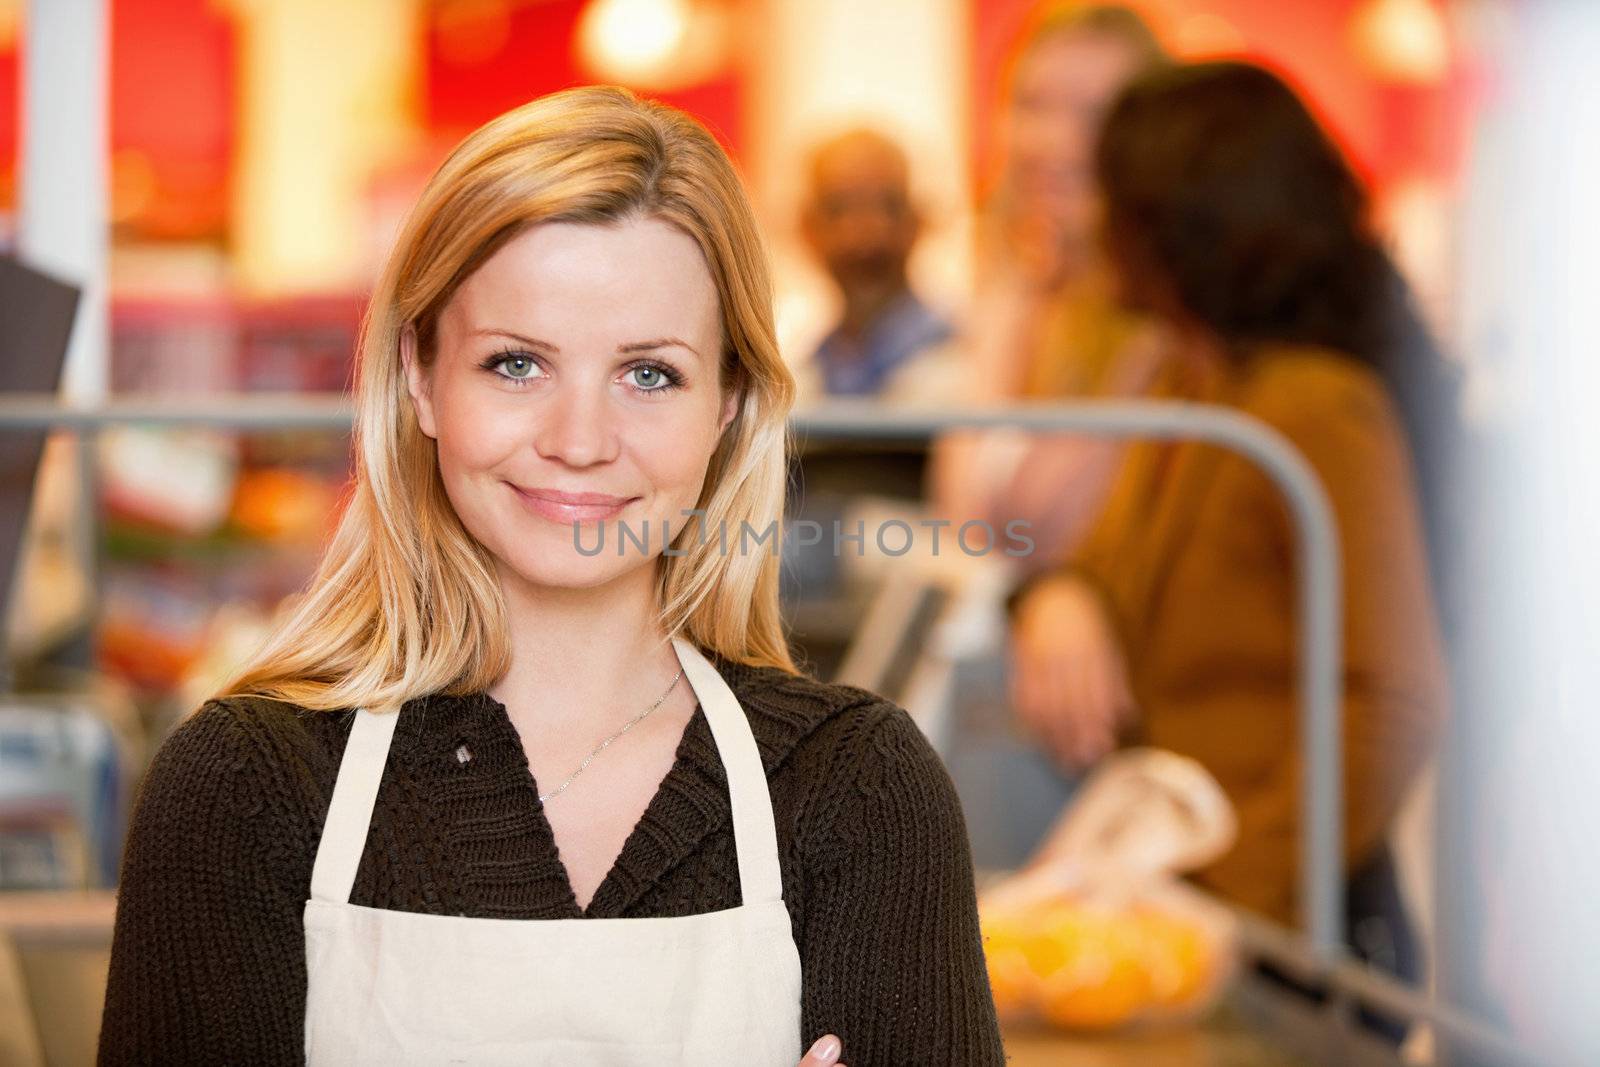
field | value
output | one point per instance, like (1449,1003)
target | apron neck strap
(355,791)
(754,831)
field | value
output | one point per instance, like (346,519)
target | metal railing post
(1319,601)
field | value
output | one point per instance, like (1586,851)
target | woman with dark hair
(1221,186)
(1232,216)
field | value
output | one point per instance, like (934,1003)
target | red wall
(534,56)
(1388,130)
(171,107)
(173,100)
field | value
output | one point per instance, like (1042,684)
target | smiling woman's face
(575,379)
(1063,85)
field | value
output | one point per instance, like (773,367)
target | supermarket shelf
(262,411)
(80,918)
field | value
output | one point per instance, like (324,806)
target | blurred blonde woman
(527,774)
(1037,237)
(1045,321)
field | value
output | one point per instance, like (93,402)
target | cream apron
(395,987)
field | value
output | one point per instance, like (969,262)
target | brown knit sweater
(208,959)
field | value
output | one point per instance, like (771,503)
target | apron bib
(395,987)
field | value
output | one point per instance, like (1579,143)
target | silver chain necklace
(557,791)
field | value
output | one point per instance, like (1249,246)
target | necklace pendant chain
(602,745)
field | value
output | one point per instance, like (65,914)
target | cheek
(472,437)
(673,454)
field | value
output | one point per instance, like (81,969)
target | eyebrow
(635,346)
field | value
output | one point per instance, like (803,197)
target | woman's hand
(1069,684)
(825,1053)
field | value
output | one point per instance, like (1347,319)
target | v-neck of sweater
(690,802)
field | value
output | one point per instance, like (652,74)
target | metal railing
(1322,885)
(1318,952)
(1318,601)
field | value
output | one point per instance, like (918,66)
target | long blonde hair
(405,601)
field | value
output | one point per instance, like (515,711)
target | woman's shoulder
(1299,388)
(862,742)
(801,687)
(254,720)
(878,797)
(231,775)
(789,705)
(221,728)
(1312,372)
(775,698)
(255,742)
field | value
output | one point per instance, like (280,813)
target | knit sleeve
(207,955)
(891,951)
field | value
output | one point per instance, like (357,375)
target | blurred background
(1368,224)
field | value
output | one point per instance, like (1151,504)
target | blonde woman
(1045,321)
(527,774)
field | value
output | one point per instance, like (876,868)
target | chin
(570,571)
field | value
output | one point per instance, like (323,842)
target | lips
(560,506)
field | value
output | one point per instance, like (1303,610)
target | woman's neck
(578,654)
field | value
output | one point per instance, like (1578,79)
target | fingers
(1098,711)
(1038,702)
(1048,697)
(823,1053)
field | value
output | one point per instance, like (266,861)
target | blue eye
(649,378)
(655,377)
(516,366)
(520,368)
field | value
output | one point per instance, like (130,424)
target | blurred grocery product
(283,504)
(63,793)
(176,479)
(1097,932)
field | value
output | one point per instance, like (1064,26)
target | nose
(577,425)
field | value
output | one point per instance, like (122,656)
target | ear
(730,407)
(418,383)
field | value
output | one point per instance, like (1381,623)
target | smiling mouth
(572,507)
